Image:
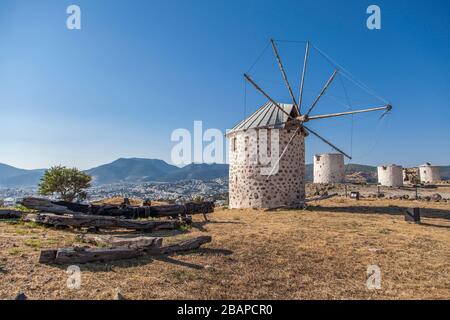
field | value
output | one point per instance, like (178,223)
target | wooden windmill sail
(301,119)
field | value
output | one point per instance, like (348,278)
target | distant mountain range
(133,170)
(12,177)
(136,170)
(144,170)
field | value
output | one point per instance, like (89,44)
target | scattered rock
(209,267)
(436,197)
(21,296)
(92,229)
(119,296)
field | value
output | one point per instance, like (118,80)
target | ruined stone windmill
(275,129)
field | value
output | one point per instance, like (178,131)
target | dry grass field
(319,253)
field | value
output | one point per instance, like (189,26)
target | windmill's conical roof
(267,116)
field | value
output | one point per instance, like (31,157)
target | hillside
(144,170)
(199,171)
(11,177)
(131,170)
(445,172)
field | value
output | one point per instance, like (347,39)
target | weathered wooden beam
(45,206)
(321,93)
(283,73)
(327,142)
(86,221)
(300,99)
(187,245)
(387,107)
(124,241)
(10,214)
(249,79)
(85,255)
(172,210)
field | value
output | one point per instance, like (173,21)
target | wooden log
(11,214)
(171,210)
(187,245)
(117,241)
(85,255)
(86,221)
(45,206)
(328,196)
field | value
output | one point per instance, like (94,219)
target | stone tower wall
(429,174)
(249,185)
(329,168)
(390,176)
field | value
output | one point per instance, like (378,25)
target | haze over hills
(131,170)
(12,177)
(138,170)
(145,170)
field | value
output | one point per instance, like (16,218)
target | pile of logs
(65,214)
(100,222)
(121,249)
(10,214)
(126,211)
(97,217)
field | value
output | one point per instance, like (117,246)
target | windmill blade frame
(257,87)
(283,72)
(387,108)
(305,60)
(330,80)
(327,142)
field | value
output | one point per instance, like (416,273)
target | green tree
(67,184)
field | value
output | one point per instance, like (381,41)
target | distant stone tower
(429,173)
(250,182)
(329,168)
(390,176)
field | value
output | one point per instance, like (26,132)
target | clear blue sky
(140,69)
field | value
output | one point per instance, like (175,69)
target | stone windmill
(276,129)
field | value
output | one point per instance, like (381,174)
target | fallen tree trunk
(11,214)
(45,205)
(117,241)
(328,196)
(86,221)
(187,245)
(86,255)
(171,210)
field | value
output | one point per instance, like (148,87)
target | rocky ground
(435,193)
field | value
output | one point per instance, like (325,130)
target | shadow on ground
(390,210)
(107,266)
